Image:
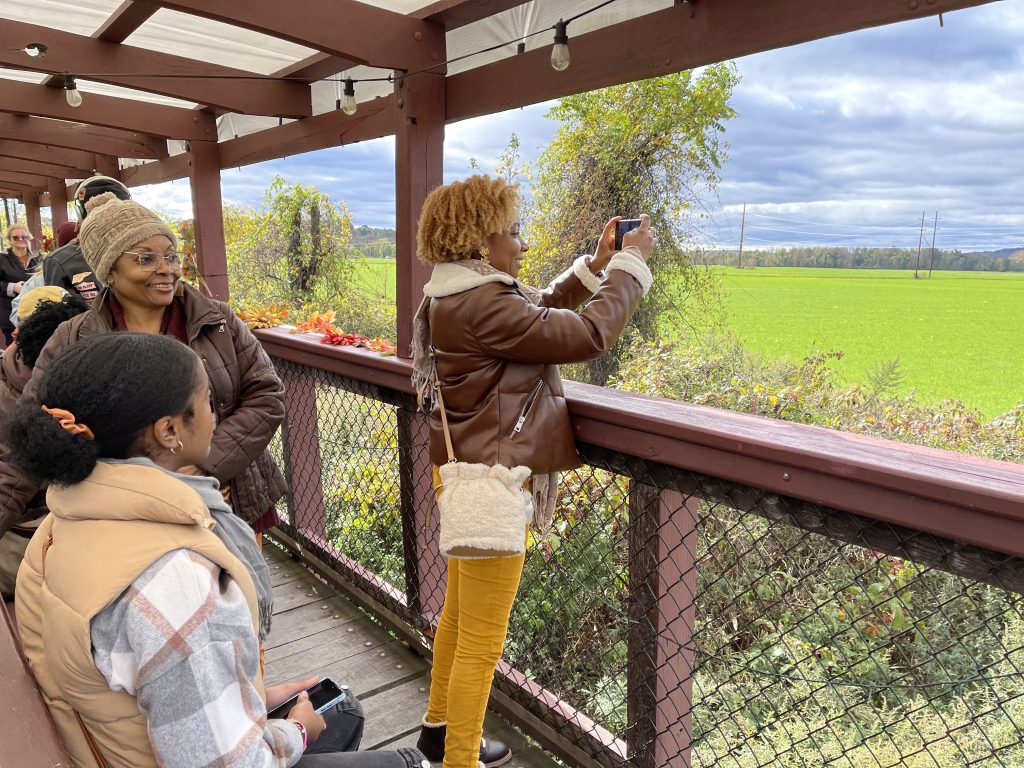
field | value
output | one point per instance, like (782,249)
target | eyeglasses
(21,238)
(150,261)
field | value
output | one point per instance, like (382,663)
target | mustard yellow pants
(470,635)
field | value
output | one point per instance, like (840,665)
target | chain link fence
(673,619)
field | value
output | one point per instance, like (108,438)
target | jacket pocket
(524,414)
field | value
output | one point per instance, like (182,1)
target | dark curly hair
(37,329)
(117,384)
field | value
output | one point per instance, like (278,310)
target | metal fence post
(301,434)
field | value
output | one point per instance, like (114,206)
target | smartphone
(621,228)
(322,695)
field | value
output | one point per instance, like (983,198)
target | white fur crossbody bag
(484,509)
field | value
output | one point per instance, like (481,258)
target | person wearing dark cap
(67,266)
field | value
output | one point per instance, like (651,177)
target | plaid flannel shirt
(180,640)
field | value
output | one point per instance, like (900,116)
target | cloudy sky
(843,141)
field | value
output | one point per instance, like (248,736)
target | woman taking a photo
(138,598)
(486,349)
(17,264)
(134,253)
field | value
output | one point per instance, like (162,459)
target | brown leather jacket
(248,396)
(496,357)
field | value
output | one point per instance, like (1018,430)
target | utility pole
(931,259)
(920,241)
(743,226)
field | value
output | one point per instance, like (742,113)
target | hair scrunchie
(67,420)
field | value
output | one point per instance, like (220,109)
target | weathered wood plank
(395,712)
(368,674)
(309,620)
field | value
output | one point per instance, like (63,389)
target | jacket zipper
(527,407)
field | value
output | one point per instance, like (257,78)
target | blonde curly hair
(457,218)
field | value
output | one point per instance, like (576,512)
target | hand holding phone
(622,227)
(323,695)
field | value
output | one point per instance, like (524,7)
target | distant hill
(374,242)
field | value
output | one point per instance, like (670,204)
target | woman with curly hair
(486,349)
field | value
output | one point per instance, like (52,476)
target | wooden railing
(697,483)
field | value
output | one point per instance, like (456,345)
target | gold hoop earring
(484,253)
(176,452)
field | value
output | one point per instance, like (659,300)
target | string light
(71,92)
(35,50)
(348,100)
(560,50)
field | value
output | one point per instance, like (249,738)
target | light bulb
(560,50)
(35,50)
(348,101)
(71,92)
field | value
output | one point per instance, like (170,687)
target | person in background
(43,309)
(491,346)
(17,264)
(66,232)
(137,600)
(66,267)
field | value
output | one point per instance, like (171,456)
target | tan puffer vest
(101,535)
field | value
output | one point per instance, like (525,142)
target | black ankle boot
(431,743)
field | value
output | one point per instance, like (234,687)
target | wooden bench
(28,737)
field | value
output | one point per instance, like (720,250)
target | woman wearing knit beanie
(134,253)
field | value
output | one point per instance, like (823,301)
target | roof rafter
(23,179)
(47,153)
(61,133)
(97,59)
(346,28)
(315,67)
(109,111)
(40,168)
(129,16)
(452,14)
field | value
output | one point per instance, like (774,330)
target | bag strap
(444,423)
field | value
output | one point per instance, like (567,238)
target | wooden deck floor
(316,631)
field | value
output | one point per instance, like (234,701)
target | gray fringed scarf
(458,277)
(235,533)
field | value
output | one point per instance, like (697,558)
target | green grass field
(958,335)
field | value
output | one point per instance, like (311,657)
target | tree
(653,146)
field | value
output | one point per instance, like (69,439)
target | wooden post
(302,462)
(106,165)
(425,569)
(662,579)
(32,218)
(208,217)
(419,155)
(58,204)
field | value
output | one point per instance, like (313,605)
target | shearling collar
(459,276)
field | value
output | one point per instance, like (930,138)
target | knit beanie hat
(114,226)
(30,301)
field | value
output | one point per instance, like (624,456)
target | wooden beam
(352,30)
(97,59)
(419,168)
(208,218)
(331,129)
(315,67)
(25,179)
(50,170)
(158,171)
(45,153)
(108,111)
(129,16)
(671,40)
(58,203)
(452,14)
(70,135)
